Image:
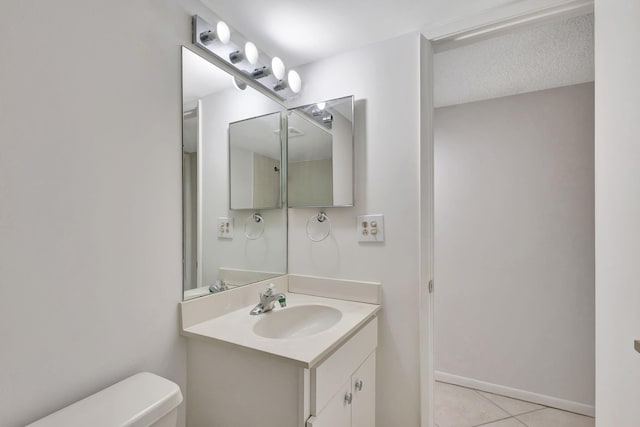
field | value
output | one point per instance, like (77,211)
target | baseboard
(540,399)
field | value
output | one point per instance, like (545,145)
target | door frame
(432,40)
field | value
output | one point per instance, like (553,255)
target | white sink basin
(298,321)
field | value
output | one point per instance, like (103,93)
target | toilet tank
(141,400)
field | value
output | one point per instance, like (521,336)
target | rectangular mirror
(224,248)
(320,154)
(255,152)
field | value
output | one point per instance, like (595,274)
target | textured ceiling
(301,31)
(550,55)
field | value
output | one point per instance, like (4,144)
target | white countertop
(236,328)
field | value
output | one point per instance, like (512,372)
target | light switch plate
(370,228)
(225,228)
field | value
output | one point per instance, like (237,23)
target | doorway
(514,324)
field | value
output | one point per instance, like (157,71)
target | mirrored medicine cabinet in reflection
(255,154)
(234,182)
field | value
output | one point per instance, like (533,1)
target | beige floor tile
(509,422)
(512,406)
(550,417)
(462,407)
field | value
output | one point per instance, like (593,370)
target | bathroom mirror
(320,154)
(224,248)
(255,153)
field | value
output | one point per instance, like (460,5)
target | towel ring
(321,217)
(251,219)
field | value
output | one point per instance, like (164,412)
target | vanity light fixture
(236,56)
(250,54)
(277,67)
(293,82)
(261,72)
(222,33)
(281,85)
(242,58)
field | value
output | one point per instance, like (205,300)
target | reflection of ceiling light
(239,84)
(320,116)
(327,118)
(321,105)
(222,33)
(277,67)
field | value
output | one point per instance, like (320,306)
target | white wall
(310,183)
(617,212)
(385,81)
(240,171)
(514,242)
(90,198)
(268,253)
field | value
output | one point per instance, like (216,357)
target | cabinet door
(363,385)
(337,413)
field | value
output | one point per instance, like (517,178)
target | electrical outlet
(225,228)
(370,228)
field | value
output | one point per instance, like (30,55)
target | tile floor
(465,407)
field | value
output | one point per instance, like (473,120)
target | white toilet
(142,400)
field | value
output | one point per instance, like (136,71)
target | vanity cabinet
(229,386)
(354,404)
(363,405)
(289,376)
(343,386)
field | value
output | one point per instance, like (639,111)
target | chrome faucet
(268,301)
(218,286)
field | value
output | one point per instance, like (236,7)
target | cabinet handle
(348,397)
(358,385)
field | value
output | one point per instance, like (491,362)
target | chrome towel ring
(254,221)
(321,218)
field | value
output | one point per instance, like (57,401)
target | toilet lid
(137,401)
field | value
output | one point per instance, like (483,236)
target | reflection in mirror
(222,248)
(320,154)
(255,151)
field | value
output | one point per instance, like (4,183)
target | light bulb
(223,32)
(251,53)
(295,82)
(277,68)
